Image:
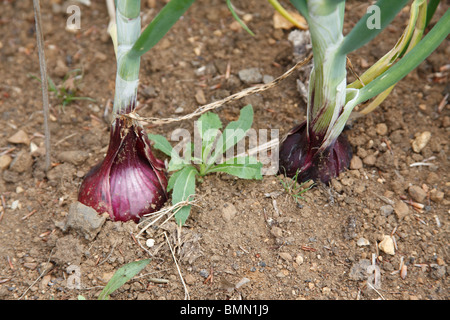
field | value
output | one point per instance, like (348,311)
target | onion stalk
(130,181)
(316,149)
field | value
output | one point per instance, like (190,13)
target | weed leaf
(172,180)
(233,133)
(242,167)
(183,188)
(161,143)
(208,126)
(121,276)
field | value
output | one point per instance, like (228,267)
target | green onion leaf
(159,26)
(361,34)
(409,61)
(235,16)
(431,9)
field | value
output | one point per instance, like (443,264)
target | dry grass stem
(217,104)
(186,292)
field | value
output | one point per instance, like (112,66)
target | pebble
(189,279)
(362,242)
(356,163)
(286,256)
(5,161)
(401,210)
(250,76)
(417,193)
(45,281)
(22,162)
(15,204)
(20,137)
(299,259)
(386,210)
(76,157)
(179,110)
(149,92)
(370,160)
(438,272)
(235,26)
(150,243)
(84,220)
(436,196)
(387,245)
(421,141)
(381,129)
(204,273)
(200,97)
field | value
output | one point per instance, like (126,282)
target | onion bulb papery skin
(130,182)
(299,156)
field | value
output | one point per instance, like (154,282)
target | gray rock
(204,273)
(250,76)
(438,272)
(84,220)
(267,78)
(386,210)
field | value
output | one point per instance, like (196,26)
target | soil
(245,239)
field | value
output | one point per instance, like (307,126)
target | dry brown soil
(250,232)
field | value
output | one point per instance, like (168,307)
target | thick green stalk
(127,76)
(328,77)
(399,70)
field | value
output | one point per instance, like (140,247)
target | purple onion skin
(299,153)
(130,181)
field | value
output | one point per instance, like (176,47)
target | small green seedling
(214,144)
(294,188)
(67,91)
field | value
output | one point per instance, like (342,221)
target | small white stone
(387,245)
(362,242)
(421,141)
(299,259)
(150,242)
(15,204)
